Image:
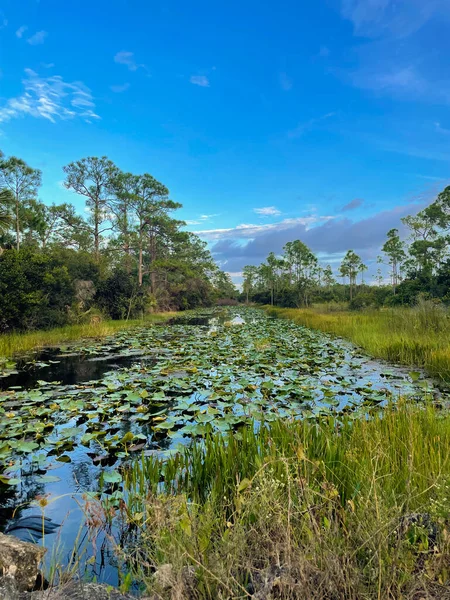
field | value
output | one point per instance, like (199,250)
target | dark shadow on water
(69,370)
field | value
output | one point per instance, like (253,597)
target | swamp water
(73,418)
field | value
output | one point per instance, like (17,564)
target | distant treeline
(419,267)
(127,256)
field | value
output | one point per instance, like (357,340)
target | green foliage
(35,290)
(129,255)
(297,509)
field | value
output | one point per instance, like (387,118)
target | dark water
(67,369)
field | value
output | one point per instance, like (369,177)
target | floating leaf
(112,477)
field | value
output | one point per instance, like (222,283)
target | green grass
(15,343)
(320,510)
(412,336)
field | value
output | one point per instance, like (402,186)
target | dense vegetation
(230,455)
(129,256)
(330,510)
(417,336)
(418,268)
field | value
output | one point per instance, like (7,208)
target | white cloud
(50,98)
(200,80)
(118,89)
(37,38)
(250,231)
(324,51)
(127,59)
(201,219)
(286,82)
(48,65)
(308,125)
(3,20)
(21,31)
(267,211)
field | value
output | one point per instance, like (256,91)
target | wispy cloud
(201,80)
(324,51)
(395,63)
(401,80)
(201,220)
(395,18)
(3,20)
(50,98)
(127,58)
(438,127)
(267,211)
(308,125)
(37,38)
(431,177)
(118,89)
(21,31)
(286,82)
(352,205)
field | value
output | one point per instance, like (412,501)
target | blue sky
(325,121)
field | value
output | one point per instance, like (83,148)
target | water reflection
(74,467)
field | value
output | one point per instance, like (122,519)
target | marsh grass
(16,343)
(419,335)
(311,510)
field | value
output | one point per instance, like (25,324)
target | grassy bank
(412,336)
(324,510)
(13,343)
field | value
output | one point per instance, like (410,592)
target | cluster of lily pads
(187,381)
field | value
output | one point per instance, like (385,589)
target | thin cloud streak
(352,205)
(308,125)
(267,211)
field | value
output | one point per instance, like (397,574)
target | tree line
(417,266)
(128,255)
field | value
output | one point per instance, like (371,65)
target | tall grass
(15,343)
(419,335)
(324,510)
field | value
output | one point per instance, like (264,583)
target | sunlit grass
(325,509)
(15,343)
(418,335)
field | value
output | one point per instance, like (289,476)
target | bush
(36,290)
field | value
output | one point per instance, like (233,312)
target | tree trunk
(96,240)
(17,224)
(140,254)
(152,249)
